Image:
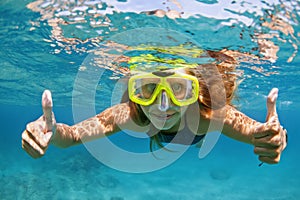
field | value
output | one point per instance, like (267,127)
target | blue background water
(30,63)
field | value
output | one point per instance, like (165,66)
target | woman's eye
(177,87)
(150,87)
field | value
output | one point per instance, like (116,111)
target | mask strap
(164,101)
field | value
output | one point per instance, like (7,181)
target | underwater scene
(83,50)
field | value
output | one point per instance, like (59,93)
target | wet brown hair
(217,81)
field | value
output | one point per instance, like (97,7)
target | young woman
(178,104)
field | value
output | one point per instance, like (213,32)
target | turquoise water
(38,53)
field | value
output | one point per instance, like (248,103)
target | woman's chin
(162,127)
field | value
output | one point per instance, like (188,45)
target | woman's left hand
(270,139)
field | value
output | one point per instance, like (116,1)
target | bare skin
(268,139)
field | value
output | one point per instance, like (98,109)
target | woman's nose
(163,101)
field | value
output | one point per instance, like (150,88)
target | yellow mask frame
(183,89)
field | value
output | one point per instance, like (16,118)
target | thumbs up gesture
(36,137)
(270,139)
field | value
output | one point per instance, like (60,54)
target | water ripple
(44,42)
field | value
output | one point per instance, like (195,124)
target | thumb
(47,110)
(271,104)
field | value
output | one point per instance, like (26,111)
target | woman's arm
(106,123)
(40,133)
(239,126)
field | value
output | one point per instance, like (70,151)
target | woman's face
(163,113)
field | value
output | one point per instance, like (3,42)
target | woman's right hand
(37,136)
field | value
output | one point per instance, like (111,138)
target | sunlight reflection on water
(263,36)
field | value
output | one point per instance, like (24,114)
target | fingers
(269,148)
(271,104)
(35,132)
(266,129)
(273,95)
(269,141)
(267,152)
(268,155)
(47,105)
(34,141)
(269,160)
(32,152)
(272,124)
(30,146)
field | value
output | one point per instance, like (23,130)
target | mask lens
(144,87)
(182,88)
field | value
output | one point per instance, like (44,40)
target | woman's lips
(162,116)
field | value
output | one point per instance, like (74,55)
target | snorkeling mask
(157,71)
(182,89)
